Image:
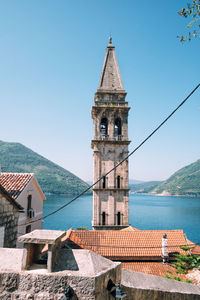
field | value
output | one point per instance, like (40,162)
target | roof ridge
(17,173)
(132,231)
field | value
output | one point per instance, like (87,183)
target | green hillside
(184,182)
(143,187)
(15,157)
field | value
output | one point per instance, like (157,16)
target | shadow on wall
(66,261)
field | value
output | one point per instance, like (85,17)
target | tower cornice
(110,142)
(102,107)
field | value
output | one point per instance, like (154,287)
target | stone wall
(24,285)
(8,219)
(137,286)
(140,286)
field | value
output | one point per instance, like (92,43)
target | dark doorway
(118,182)
(103,218)
(104,182)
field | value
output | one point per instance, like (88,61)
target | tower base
(109,227)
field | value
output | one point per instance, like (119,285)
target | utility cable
(136,247)
(131,153)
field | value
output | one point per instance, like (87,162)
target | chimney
(165,255)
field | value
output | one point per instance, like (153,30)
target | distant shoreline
(167,195)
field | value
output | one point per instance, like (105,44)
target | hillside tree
(192,13)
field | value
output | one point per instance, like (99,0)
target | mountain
(134,181)
(15,157)
(185,182)
(143,187)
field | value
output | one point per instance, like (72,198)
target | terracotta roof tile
(10,199)
(130,228)
(117,244)
(14,183)
(195,249)
(154,268)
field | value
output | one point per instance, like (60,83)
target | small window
(104,128)
(118,218)
(118,182)
(29,202)
(28,228)
(104,182)
(104,218)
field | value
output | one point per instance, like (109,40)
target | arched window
(103,218)
(118,218)
(118,182)
(104,127)
(104,182)
(118,129)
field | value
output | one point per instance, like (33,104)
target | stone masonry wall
(140,286)
(9,219)
(31,286)
(142,294)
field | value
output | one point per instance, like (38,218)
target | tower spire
(110,79)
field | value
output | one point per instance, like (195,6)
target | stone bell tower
(110,145)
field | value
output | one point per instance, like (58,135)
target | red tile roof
(195,249)
(154,268)
(14,183)
(128,245)
(9,198)
(130,228)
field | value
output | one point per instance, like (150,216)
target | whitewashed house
(24,188)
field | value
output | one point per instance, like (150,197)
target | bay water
(145,212)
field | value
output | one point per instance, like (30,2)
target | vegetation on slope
(143,187)
(15,157)
(185,182)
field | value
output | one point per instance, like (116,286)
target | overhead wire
(136,247)
(117,165)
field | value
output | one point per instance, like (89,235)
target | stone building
(110,146)
(24,188)
(9,214)
(77,274)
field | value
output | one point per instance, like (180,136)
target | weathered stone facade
(82,272)
(110,144)
(137,286)
(9,214)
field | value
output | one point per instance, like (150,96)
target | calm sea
(146,212)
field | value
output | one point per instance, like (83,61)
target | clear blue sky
(51,57)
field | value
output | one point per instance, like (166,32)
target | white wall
(36,204)
(2,236)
